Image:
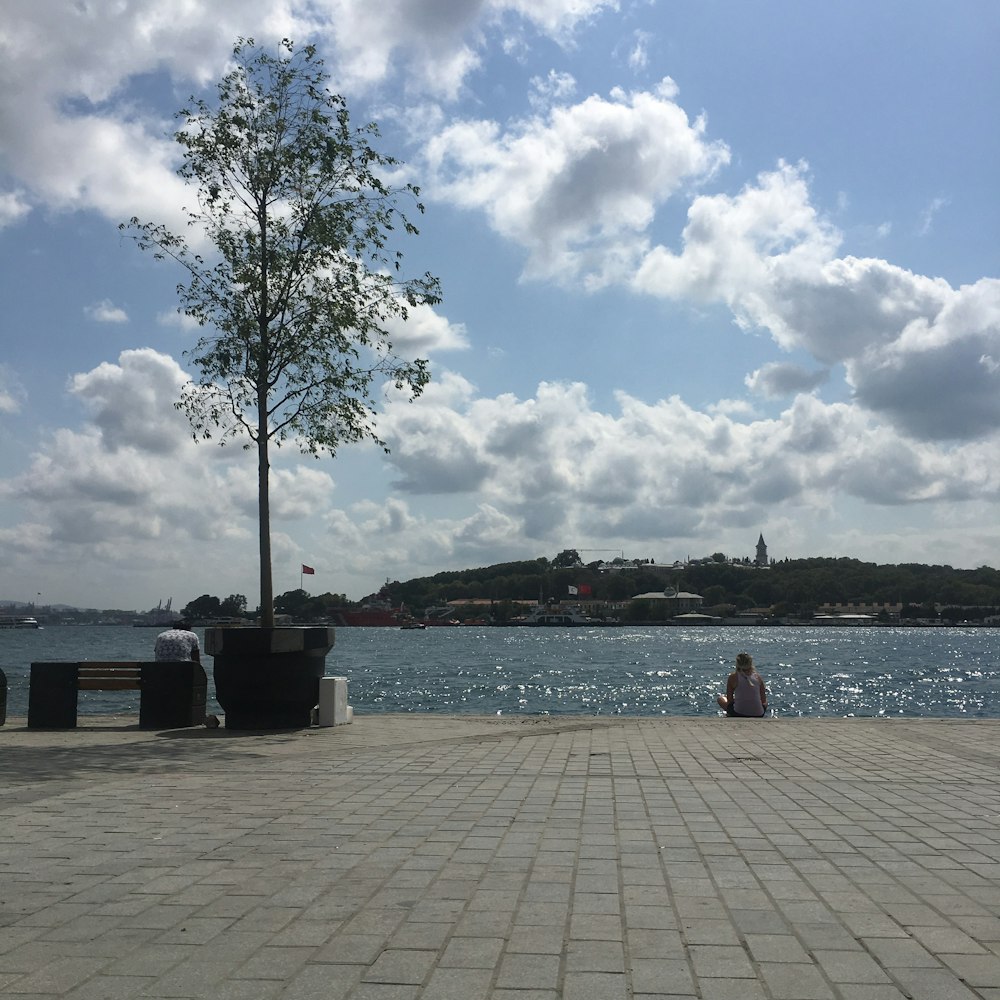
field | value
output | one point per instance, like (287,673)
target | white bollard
(333,707)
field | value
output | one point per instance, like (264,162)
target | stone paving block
(351,949)
(57,976)
(651,917)
(776,948)
(900,953)
(595,986)
(595,956)
(401,966)
(849,967)
(472,953)
(933,984)
(730,989)
(947,940)
(528,972)
(535,940)
(720,932)
(668,976)
(595,927)
(722,962)
(458,984)
(791,981)
(975,970)
(111,988)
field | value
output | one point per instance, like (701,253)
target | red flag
(308,570)
(584,589)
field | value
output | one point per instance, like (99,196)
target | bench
(172,693)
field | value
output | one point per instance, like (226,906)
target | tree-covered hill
(790,588)
(795,584)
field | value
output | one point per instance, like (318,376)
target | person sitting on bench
(178,643)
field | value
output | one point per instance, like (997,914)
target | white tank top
(746,697)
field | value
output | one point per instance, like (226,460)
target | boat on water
(18,621)
(555,616)
(443,615)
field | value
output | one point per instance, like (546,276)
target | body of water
(810,671)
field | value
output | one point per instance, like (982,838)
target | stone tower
(761,558)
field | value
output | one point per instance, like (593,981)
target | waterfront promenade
(455,858)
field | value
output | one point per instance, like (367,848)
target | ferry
(8,621)
(555,616)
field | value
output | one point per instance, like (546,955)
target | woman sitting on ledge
(746,695)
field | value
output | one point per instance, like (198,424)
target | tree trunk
(264,528)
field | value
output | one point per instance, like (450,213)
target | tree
(568,558)
(292,602)
(204,607)
(303,282)
(234,606)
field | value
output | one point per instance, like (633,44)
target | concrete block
(333,707)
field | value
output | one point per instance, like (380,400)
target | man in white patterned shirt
(178,643)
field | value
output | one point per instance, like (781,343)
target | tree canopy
(303,278)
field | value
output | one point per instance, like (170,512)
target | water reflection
(875,672)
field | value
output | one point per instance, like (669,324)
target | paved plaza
(503,859)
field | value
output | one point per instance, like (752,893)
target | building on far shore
(675,602)
(761,558)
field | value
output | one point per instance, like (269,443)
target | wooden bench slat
(108,684)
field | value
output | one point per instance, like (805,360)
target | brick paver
(503,859)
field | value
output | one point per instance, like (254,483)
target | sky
(710,270)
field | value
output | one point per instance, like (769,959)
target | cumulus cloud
(480,479)
(903,337)
(131,403)
(70,140)
(425,331)
(182,321)
(576,187)
(13,208)
(132,493)
(12,392)
(779,379)
(562,468)
(105,311)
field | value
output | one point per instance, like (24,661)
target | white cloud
(13,208)
(557,18)
(638,57)
(425,331)
(105,311)
(578,187)
(778,379)
(563,469)
(132,403)
(556,88)
(178,319)
(70,139)
(930,213)
(483,479)
(912,345)
(12,392)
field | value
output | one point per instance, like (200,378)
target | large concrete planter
(268,678)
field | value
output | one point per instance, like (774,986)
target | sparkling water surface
(810,671)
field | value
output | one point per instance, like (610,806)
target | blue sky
(710,269)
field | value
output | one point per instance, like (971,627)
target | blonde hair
(744,663)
